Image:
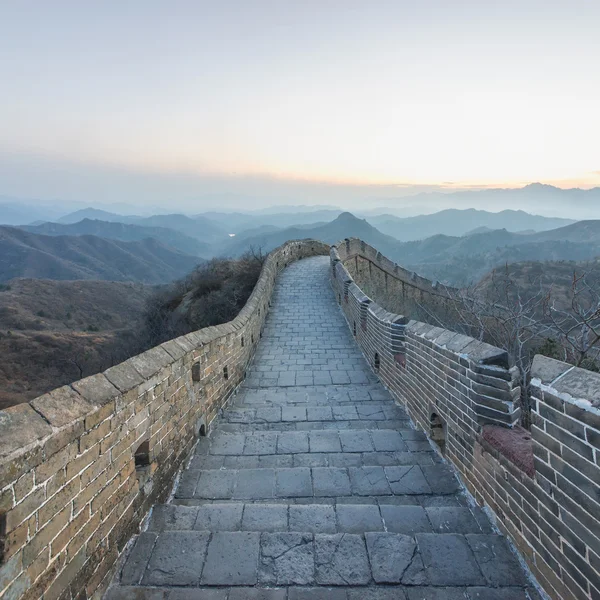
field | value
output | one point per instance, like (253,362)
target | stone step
(254,443)
(278,401)
(369,411)
(315,482)
(250,558)
(317,395)
(396,424)
(318,518)
(371,592)
(314,459)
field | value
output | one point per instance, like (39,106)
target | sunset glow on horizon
(454,95)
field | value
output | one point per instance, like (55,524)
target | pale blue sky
(148,101)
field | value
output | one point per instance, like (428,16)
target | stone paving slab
(350,410)
(285,396)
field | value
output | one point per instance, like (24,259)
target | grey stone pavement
(313,485)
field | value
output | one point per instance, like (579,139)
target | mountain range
(454,246)
(464,260)
(345,225)
(125,233)
(200,228)
(459,222)
(456,260)
(25,254)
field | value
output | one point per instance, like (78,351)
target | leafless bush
(526,317)
(212,294)
(578,326)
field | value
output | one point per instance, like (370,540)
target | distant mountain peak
(536,186)
(347,216)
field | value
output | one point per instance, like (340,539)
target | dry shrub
(212,294)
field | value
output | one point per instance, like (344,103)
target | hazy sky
(146,101)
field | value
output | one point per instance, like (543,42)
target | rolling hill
(125,233)
(25,254)
(96,214)
(200,228)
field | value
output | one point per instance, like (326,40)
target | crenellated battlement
(543,485)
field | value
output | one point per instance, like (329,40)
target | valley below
(90,289)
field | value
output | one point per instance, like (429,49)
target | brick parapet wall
(542,486)
(365,261)
(73,491)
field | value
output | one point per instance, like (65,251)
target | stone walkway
(314,486)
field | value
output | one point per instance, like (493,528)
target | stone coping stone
(571,382)
(20,426)
(62,406)
(174,349)
(96,389)
(150,362)
(580,384)
(486,354)
(548,369)
(124,376)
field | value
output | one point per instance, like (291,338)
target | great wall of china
(82,466)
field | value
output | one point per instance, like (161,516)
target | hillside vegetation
(212,294)
(54,332)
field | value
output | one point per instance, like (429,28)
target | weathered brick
(24,509)
(56,482)
(22,487)
(575,477)
(55,504)
(17,538)
(104,494)
(80,462)
(95,469)
(104,412)
(87,440)
(42,538)
(79,536)
(62,581)
(124,445)
(110,440)
(68,533)
(55,463)
(562,422)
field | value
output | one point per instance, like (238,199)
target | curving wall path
(80,467)
(313,485)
